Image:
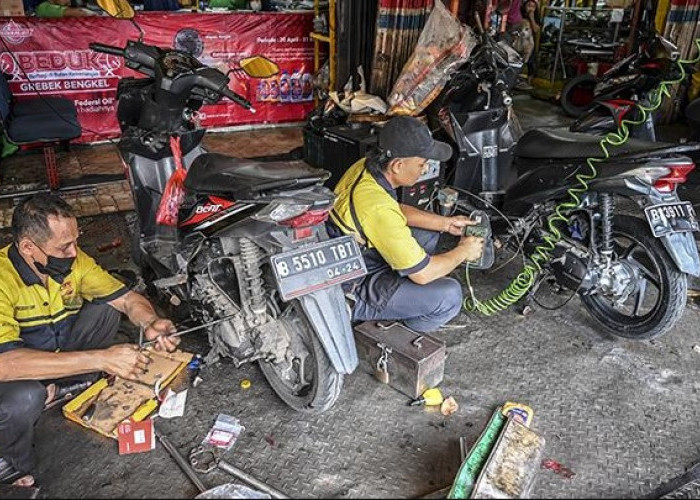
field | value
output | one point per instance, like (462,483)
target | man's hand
(125,361)
(160,331)
(455,225)
(472,246)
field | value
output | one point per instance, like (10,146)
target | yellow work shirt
(40,317)
(382,223)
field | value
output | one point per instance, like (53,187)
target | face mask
(56,267)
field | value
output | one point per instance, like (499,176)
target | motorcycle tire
(577,95)
(326,384)
(672,295)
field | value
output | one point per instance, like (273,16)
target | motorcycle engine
(569,264)
(214,285)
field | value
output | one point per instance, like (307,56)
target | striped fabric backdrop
(399,24)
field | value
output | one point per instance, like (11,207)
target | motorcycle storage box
(413,362)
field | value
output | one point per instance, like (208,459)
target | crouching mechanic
(406,280)
(59,313)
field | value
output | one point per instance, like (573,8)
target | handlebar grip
(107,49)
(226,92)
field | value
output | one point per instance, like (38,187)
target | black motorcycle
(615,95)
(249,246)
(629,272)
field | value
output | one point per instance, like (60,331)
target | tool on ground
(691,475)
(431,397)
(204,460)
(482,229)
(143,344)
(180,460)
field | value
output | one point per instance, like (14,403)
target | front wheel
(305,379)
(643,294)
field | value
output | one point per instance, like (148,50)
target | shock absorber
(607,209)
(250,258)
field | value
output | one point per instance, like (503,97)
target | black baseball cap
(406,136)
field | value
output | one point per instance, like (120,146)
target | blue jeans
(385,295)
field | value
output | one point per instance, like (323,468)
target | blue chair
(46,120)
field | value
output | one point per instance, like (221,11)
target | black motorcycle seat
(213,173)
(562,144)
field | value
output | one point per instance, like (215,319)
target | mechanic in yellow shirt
(406,279)
(59,313)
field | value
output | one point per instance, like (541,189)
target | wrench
(204,461)
(180,460)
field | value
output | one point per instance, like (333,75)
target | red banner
(52,57)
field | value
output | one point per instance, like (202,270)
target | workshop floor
(621,415)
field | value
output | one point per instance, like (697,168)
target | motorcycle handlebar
(503,89)
(107,49)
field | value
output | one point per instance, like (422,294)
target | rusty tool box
(408,361)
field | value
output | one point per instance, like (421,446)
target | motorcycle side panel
(327,313)
(683,251)
(485,142)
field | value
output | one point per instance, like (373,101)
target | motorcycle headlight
(278,211)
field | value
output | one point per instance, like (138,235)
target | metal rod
(463,449)
(189,330)
(180,460)
(247,478)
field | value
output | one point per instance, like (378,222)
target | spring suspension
(250,258)
(607,209)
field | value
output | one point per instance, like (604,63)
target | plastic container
(296,91)
(285,87)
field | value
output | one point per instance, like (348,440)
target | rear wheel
(305,379)
(578,94)
(645,276)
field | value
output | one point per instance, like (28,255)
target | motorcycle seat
(562,144)
(213,173)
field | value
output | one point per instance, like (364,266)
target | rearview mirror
(259,67)
(120,9)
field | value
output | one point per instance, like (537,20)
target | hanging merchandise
(174,191)
(443,46)
(399,25)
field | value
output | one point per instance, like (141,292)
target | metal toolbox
(408,361)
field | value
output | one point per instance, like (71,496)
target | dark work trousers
(423,308)
(22,402)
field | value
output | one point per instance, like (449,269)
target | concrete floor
(620,414)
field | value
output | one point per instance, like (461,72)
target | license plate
(671,218)
(315,267)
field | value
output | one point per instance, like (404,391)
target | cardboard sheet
(125,399)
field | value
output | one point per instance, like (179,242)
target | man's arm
(141,313)
(440,265)
(123,360)
(422,219)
